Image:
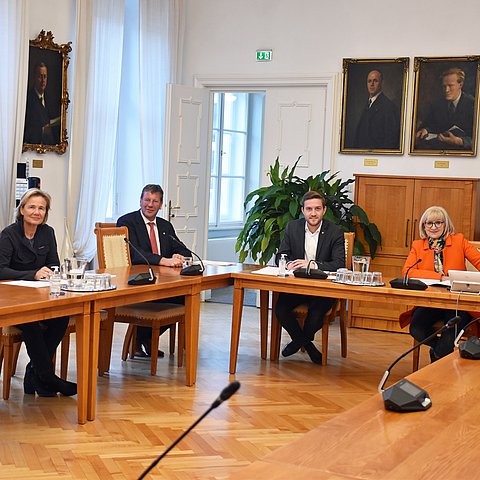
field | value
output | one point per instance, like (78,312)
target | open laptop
(464,281)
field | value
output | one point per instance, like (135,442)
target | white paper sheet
(27,283)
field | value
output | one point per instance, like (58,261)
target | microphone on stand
(310,272)
(405,396)
(190,270)
(471,347)
(225,394)
(141,278)
(407,284)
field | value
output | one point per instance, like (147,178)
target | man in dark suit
(449,123)
(379,124)
(40,125)
(155,238)
(307,239)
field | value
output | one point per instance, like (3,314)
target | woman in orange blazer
(440,250)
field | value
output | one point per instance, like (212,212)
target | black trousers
(144,334)
(42,339)
(317,308)
(422,326)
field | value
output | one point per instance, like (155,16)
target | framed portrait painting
(445,106)
(47,96)
(373,105)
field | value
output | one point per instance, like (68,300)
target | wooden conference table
(369,443)
(436,297)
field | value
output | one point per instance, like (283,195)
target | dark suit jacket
(379,126)
(330,248)
(36,117)
(439,120)
(18,259)
(138,235)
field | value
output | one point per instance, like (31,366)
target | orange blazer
(456,250)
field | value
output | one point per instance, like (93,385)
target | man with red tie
(155,238)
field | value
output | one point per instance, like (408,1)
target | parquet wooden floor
(138,415)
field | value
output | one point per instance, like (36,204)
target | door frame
(329,81)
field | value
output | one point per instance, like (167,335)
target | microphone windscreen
(228,391)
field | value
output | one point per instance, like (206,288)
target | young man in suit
(311,238)
(155,238)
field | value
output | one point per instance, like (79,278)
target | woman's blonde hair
(33,192)
(433,214)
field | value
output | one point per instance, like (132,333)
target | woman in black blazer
(28,250)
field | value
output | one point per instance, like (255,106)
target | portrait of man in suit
(373,105)
(445,107)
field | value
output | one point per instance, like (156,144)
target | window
(235,159)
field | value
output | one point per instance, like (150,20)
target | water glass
(348,276)
(357,278)
(377,278)
(367,278)
(340,275)
(360,263)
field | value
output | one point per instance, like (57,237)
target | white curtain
(161,40)
(14,54)
(95,101)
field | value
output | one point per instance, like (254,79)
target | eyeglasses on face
(437,224)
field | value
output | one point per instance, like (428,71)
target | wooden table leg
(94,340)
(275,331)
(192,320)
(238,294)
(264,294)
(82,327)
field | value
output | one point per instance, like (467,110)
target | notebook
(464,281)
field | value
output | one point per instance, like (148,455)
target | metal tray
(86,289)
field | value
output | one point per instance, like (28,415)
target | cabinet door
(388,202)
(456,196)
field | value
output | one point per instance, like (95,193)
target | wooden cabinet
(396,205)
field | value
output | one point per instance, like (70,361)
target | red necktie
(153,239)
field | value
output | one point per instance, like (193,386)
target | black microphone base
(470,349)
(192,270)
(313,273)
(142,279)
(405,396)
(412,284)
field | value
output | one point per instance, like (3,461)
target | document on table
(218,264)
(433,282)
(271,271)
(27,283)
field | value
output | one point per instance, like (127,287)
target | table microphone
(191,270)
(407,284)
(141,278)
(310,272)
(225,394)
(405,396)
(471,347)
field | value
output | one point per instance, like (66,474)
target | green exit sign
(264,55)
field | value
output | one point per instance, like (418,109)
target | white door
(186,163)
(295,126)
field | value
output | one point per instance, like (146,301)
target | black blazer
(18,259)
(330,248)
(138,235)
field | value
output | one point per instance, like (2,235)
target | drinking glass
(360,263)
(377,278)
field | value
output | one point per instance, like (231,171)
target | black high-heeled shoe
(32,385)
(57,384)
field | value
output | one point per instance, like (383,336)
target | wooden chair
(339,309)
(113,252)
(11,341)
(416,353)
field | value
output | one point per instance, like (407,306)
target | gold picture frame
(445,106)
(377,127)
(47,96)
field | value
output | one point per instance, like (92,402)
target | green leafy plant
(279,203)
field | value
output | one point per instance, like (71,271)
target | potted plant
(277,204)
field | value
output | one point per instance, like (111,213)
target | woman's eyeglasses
(434,224)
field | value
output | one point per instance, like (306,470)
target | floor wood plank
(139,416)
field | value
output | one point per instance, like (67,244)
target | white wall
(57,16)
(312,37)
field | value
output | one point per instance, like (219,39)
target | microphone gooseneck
(450,324)
(405,278)
(150,271)
(225,394)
